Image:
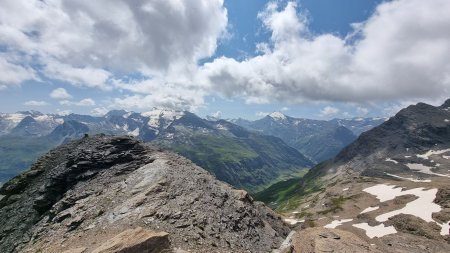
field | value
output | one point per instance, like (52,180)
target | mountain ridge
(63,197)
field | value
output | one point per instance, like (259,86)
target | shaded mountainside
(86,192)
(317,139)
(233,154)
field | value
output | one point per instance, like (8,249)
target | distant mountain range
(233,154)
(319,140)
(250,156)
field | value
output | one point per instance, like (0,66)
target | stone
(76,250)
(136,240)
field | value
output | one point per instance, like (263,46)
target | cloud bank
(151,49)
(401,52)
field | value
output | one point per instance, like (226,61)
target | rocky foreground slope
(389,188)
(90,194)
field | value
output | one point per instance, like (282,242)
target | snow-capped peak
(158,114)
(277,116)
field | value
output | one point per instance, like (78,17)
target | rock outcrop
(136,240)
(328,240)
(89,191)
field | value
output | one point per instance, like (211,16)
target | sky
(227,58)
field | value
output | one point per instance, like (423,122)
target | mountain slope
(390,186)
(319,140)
(83,193)
(233,154)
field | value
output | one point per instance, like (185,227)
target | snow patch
(433,152)
(166,116)
(336,223)
(423,207)
(445,227)
(424,169)
(376,231)
(370,209)
(135,132)
(293,221)
(409,178)
(390,160)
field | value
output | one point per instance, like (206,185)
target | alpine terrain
(116,194)
(233,154)
(389,188)
(319,140)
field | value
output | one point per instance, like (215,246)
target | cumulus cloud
(362,111)
(401,52)
(13,74)
(217,115)
(262,114)
(151,50)
(35,103)
(87,102)
(284,109)
(329,111)
(60,93)
(92,43)
(99,111)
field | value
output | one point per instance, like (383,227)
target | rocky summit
(117,194)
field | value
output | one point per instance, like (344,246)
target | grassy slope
(289,194)
(241,162)
(18,153)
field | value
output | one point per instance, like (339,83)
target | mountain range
(233,154)
(319,140)
(387,191)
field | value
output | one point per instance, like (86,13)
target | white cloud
(262,114)
(151,48)
(35,103)
(87,102)
(89,43)
(13,74)
(99,111)
(63,112)
(401,52)
(362,111)
(329,111)
(284,109)
(60,93)
(217,115)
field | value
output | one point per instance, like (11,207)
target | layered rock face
(88,192)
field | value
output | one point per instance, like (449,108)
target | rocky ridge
(89,191)
(389,188)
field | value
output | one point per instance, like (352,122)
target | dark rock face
(69,130)
(414,130)
(92,189)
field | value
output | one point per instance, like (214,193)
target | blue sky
(235,58)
